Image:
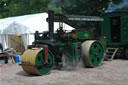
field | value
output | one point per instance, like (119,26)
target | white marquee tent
(25,26)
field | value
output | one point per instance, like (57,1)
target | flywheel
(93,53)
(33,61)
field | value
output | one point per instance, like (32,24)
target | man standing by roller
(1,48)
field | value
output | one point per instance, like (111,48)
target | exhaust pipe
(51,21)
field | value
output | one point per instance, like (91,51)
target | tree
(86,7)
(2,7)
(22,7)
(79,7)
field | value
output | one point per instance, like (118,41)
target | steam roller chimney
(51,21)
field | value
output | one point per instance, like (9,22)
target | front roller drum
(93,53)
(33,62)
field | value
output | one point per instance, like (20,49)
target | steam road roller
(58,49)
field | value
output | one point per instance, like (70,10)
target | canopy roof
(76,18)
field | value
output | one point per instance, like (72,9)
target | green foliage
(79,7)
(22,7)
(55,7)
(86,7)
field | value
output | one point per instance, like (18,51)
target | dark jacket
(1,47)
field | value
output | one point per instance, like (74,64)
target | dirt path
(110,73)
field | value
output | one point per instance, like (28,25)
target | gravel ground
(109,73)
